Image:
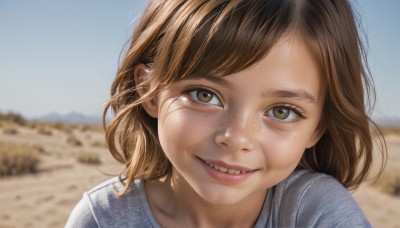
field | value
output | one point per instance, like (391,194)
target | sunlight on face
(231,138)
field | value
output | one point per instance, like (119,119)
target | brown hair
(179,39)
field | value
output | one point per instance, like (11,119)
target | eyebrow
(220,81)
(299,94)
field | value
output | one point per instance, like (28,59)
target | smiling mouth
(224,169)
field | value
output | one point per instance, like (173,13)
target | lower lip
(226,178)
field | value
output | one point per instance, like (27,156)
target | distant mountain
(70,118)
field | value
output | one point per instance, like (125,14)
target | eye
(282,113)
(205,96)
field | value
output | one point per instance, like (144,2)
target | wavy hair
(179,39)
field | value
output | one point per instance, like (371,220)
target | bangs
(205,38)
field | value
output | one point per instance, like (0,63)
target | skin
(261,119)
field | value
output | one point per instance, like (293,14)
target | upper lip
(228,166)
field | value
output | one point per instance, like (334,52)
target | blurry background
(61,56)
(57,62)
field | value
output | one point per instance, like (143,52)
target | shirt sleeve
(326,203)
(81,215)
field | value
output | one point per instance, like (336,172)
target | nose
(237,133)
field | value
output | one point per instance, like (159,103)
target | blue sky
(61,56)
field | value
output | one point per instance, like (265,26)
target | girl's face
(230,138)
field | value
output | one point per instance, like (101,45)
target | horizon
(52,62)
(384,121)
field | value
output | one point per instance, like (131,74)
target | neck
(173,200)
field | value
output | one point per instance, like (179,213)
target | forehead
(289,70)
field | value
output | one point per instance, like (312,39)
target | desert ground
(73,159)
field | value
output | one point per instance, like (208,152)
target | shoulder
(102,206)
(316,199)
(105,195)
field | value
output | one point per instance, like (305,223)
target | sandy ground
(382,210)
(46,198)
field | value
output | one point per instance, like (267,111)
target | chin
(221,195)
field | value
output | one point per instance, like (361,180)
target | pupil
(281,113)
(204,96)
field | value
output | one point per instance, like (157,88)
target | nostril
(237,133)
(234,142)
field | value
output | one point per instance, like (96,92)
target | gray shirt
(304,199)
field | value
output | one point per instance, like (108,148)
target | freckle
(255,123)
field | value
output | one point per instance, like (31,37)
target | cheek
(285,150)
(180,130)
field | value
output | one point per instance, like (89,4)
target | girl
(237,113)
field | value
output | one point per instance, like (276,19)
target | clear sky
(61,56)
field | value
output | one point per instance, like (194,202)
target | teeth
(223,169)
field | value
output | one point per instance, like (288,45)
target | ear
(142,76)
(316,136)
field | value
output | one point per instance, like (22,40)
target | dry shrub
(35,124)
(10,131)
(17,159)
(97,128)
(90,127)
(88,158)
(63,127)
(84,128)
(389,182)
(31,125)
(13,118)
(97,144)
(44,131)
(390,130)
(73,141)
(40,149)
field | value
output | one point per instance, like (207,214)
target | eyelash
(198,88)
(293,108)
